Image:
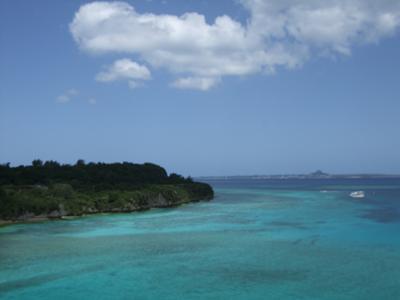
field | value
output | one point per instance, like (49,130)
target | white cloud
(321,25)
(92,101)
(67,96)
(278,33)
(197,83)
(124,69)
(63,99)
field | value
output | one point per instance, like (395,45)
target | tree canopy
(50,188)
(99,176)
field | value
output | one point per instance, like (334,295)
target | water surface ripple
(256,240)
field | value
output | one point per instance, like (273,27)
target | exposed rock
(54,214)
(26,216)
(160,201)
(62,210)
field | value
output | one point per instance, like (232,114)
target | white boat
(357,194)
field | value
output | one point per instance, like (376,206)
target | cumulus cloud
(321,25)
(278,33)
(124,69)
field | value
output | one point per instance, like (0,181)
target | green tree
(37,163)
(80,163)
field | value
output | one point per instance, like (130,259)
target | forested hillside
(49,189)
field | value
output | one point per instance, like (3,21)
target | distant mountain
(314,175)
(318,173)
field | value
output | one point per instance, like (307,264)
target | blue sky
(200,97)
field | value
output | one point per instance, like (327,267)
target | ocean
(258,239)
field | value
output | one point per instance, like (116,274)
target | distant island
(50,190)
(314,175)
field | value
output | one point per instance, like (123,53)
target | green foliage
(96,176)
(18,201)
(80,163)
(199,191)
(62,190)
(176,178)
(37,163)
(88,188)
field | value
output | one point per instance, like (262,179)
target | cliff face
(30,203)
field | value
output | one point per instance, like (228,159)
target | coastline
(31,219)
(46,218)
(51,191)
(36,219)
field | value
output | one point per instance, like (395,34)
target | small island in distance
(314,175)
(50,190)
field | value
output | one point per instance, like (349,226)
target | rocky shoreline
(62,214)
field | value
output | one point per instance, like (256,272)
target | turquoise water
(256,240)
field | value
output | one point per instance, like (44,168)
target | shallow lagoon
(257,240)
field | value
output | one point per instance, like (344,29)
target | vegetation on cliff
(50,189)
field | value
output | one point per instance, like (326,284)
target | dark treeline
(93,176)
(49,189)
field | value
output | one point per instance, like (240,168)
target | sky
(203,87)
